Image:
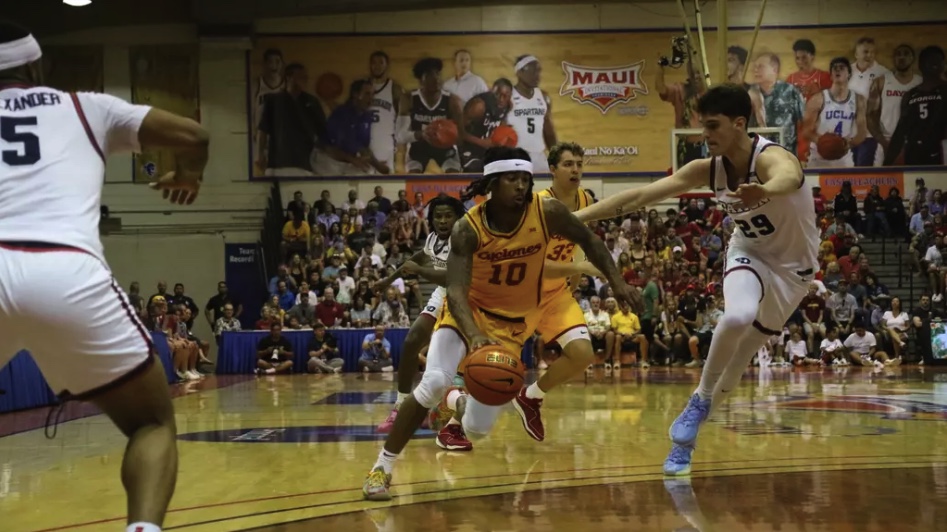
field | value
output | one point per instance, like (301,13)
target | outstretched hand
(749,194)
(182,191)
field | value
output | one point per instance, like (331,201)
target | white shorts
(540,163)
(816,160)
(434,304)
(64,307)
(783,288)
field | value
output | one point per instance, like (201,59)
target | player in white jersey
(866,70)
(384,109)
(884,101)
(839,111)
(771,259)
(270,82)
(53,274)
(431,264)
(531,113)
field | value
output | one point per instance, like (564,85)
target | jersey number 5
(530,125)
(515,273)
(761,226)
(28,151)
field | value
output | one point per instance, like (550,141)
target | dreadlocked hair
(441,200)
(481,185)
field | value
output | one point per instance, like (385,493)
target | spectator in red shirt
(713,216)
(329,311)
(819,200)
(849,263)
(813,314)
(694,254)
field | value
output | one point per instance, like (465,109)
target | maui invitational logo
(603,87)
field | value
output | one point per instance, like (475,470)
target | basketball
(443,133)
(832,147)
(329,86)
(504,135)
(493,375)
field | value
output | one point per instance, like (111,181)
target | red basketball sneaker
(528,409)
(453,438)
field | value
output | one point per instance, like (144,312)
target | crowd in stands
(343,268)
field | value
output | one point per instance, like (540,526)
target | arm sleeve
(113,121)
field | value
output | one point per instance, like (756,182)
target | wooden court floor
(795,449)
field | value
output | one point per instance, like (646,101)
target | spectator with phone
(376,352)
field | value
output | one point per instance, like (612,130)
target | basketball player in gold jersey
(494,287)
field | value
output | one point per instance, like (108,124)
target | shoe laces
(457,431)
(696,411)
(378,477)
(680,454)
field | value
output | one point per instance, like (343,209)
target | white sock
(400,399)
(386,461)
(452,398)
(743,286)
(143,527)
(270,371)
(533,391)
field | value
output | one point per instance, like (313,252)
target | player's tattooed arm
(861,123)
(692,175)
(420,264)
(463,245)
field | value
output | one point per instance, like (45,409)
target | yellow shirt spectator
(625,324)
(291,233)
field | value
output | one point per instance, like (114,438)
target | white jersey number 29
(27,152)
(761,226)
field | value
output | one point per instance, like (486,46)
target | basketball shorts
(471,158)
(783,288)
(511,333)
(434,304)
(923,154)
(561,320)
(816,160)
(540,163)
(420,154)
(64,307)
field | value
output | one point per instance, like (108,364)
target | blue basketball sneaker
(678,462)
(684,429)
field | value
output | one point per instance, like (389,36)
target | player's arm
(422,267)
(474,112)
(463,245)
(554,269)
(549,130)
(383,285)
(455,111)
(185,137)
(561,221)
(905,123)
(810,120)
(861,120)
(397,93)
(874,111)
(692,175)
(779,172)
(404,134)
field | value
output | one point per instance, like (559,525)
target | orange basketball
(831,147)
(329,86)
(443,133)
(493,375)
(504,135)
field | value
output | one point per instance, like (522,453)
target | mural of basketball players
(482,115)
(385,102)
(884,99)
(736,64)
(782,103)
(683,97)
(418,110)
(865,70)
(291,126)
(346,151)
(269,82)
(837,110)
(922,127)
(809,80)
(465,84)
(531,116)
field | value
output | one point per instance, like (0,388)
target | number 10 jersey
(780,230)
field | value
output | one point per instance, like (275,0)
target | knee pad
(431,389)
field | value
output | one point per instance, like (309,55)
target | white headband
(521,64)
(508,165)
(19,52)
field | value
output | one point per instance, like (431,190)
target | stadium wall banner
(831,184)
(604,90)
(166,77)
